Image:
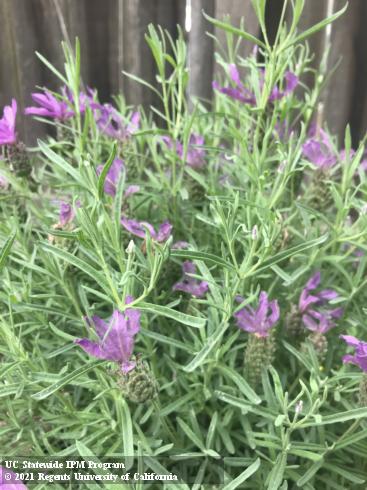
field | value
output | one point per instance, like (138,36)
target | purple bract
(241,93)
(360,353)
(315,316)
(112,176)
(195,156)
(189,284)
(50,106)
(111,123)
(140,228)
(318,149)
(261,320)
(116,339)
(7,124)
(9,480)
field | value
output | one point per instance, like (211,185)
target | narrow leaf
(189,320)
(245,475)
(106,168)
(234,30)
(205,257)
(6,249)
(41,395)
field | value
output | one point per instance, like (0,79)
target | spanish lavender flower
(50,106)
(112,176)
(359,359)
(140,229)
(239,92)
(66,213)
(195,156)
(360,355)
(259,321)
(111,123)
(318,149)
(291,82)
(9,480)
(7,124)
(320,321)
(116,339)
(85,98)
(243,94)
(130,190)
(189,284)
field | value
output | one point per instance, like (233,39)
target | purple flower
(130,190)
(360,354)
(67,213)
(50,106)
(243,94)
(320,320)
(112,176)
(259,321)
(318,149)
(85,98)
(111,123)
(140,228)
(116,339)
(7,124)
(189,284)
(9,481)
(291,82)
(195,156)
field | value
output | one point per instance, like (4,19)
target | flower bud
(131,247)
(139,385)
(320,344)
(259,354)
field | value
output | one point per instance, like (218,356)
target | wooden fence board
(201,49)
(112,39)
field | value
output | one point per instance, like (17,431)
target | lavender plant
(153,305)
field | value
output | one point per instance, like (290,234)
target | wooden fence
(111,33)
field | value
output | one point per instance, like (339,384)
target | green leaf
(189,320)
(206,257)
(127,431)
(277,473)
(196,439)
(161,470)
(41,395)
(166,340)
(298,355)
(79,263)
(6,250)
(313,469)
(317,27)
(245,475)
(209,345)
(234,30)
(356,413)
(285,254)
(61,163)
(175,405)
(344,473)
(85,452)
(232,400)
(106,168)
(241,383)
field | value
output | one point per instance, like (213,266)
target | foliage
(257,215)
